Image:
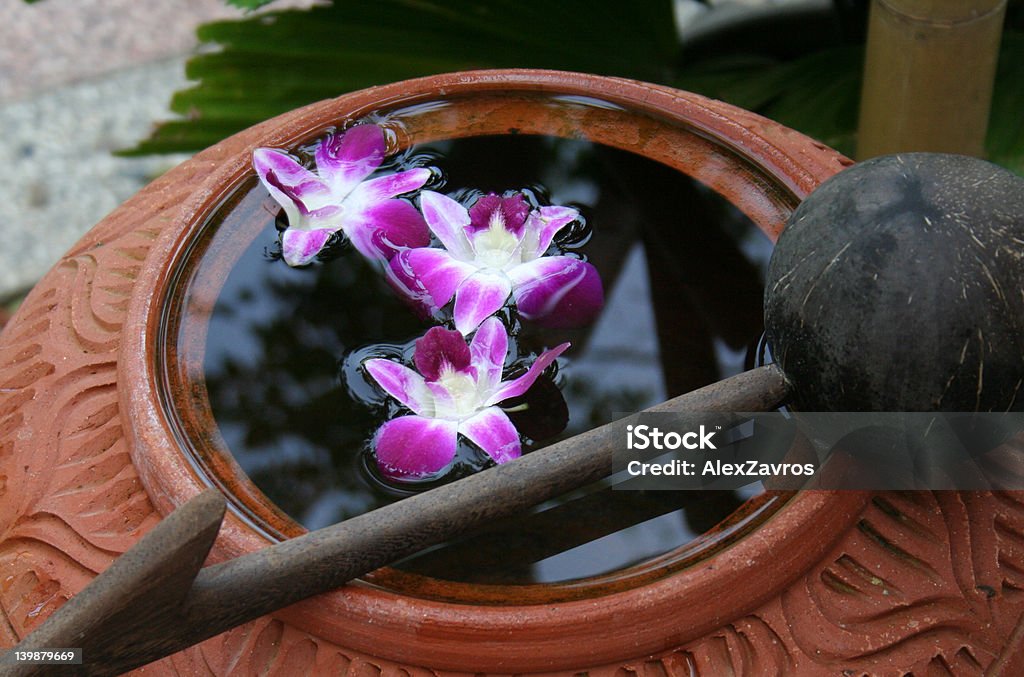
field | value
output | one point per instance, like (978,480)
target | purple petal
(294,187)
(408,286)
(299,247)
(433,272)
(446,219)
(494,433)
(440,350)
(344,159)
(520,385)
(399,381)
(480,295)
(488,349)
(410,447)
(510,211)
(391,185)
(557,291)
(386,227)
(542,226)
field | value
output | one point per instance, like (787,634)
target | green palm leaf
(265,65)
(273,63)
(819,94)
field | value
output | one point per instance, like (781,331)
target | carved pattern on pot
(919,584)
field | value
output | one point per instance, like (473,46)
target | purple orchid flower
(456,391)
(336,197)
(491,251)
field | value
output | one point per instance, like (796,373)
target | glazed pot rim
(763,561)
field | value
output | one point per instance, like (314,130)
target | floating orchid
(492,250)
(456,391)
(337,197)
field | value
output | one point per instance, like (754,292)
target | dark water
(682,272)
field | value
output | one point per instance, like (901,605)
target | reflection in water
(682,271)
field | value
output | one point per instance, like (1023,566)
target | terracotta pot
(828,582)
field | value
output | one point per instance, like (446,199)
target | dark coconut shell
(898,285)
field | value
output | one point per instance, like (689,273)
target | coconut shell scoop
(898,285)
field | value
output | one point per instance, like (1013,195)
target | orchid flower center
(465,397)
(496,247)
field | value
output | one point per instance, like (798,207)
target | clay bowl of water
(202,360)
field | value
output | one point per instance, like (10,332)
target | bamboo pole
(928,76)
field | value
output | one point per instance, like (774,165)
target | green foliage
(1005,141)
(249,4)
(266,65)
(819,94)
(273,63)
